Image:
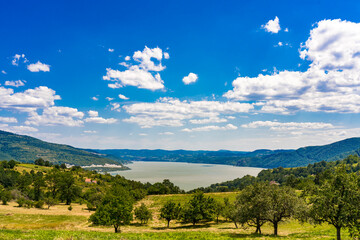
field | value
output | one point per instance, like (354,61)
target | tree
(170,211)
(115,210)
(52,181)
(219,208)
(50,202)
(199,208)
(68,191)
(143,214)
(230,211)
(336,201)
(282,203)
(39,183)
(39,162)
(251,205)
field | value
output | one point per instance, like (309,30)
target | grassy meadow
(60,223)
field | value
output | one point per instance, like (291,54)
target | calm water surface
(185,175)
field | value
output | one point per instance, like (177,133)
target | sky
(196,75)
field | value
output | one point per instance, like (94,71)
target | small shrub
(28,204)
(70,208)
(39,204)
(21,202)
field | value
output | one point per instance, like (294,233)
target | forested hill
(259,158)
(27,149)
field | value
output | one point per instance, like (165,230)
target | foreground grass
(59,223)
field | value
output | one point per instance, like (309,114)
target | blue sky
(238,75)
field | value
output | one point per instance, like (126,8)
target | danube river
(187,176)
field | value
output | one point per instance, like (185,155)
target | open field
(60,223)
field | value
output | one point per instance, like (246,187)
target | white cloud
(123,97)
(109,98)
(38,67)
(134,77)
(95,98)
(17,58)
(3,72)
(208,120)
(166,55)
(286,30)
(210,128)
(90,131)
(23,129)
(111,50)
(173,112)
(141,75)
(8,119)
(93,113)
(101,120)
(331,83)
(166,133)
(272,26)
(288,125)
(29,100)
(143,134)
(191,78)
(18,83)
(280,44)
(54,116)
(115,107)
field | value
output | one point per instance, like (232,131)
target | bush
(39,204)
(70,208)
(5,197)
(21,202)
(143,214)
(29,204)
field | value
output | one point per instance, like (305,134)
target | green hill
(26,149)
(260,158)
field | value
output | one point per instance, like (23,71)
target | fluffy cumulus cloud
(191,78)
(18,83)
(272,26)
(330,84)
(8,119)
(56,116)
(38,67)
(94,118)
(210,128)
(144,73)
(18,129)
(28,100)
(173,112)
(272,125)
(123,97)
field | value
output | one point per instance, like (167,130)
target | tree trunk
(217,219)
(338,231)
(235,224)
(168,223)
(116,229)
(275,228)
(258,227)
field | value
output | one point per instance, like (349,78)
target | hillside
(259,158)
(26,149)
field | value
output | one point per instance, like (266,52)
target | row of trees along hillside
(42,183)
(334,199)
(298,178)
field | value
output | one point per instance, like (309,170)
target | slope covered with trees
(26,149)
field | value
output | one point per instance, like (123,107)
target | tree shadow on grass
(200,226)
(250,235)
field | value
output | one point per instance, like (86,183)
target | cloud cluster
(38,67)
(272,26)
(331,83)
(173,112)
(17,58)
(210,128)
(191,78)
(18,83)
(144,74)
(94,118)
(281,126)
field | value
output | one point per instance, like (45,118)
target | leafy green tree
(283,203)
(68,191)
(52,179)
(252,204)
(115,210)
(5,195)
(336,201)
(49,201)
(39,183)
(199,208)
(143,214)
(170,211)
(219,209)
(229,211)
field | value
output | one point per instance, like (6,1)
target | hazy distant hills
(259,158)
(27,149)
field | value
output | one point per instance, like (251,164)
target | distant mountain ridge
(259,158)
(27,149)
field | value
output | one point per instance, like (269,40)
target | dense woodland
(324,192)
